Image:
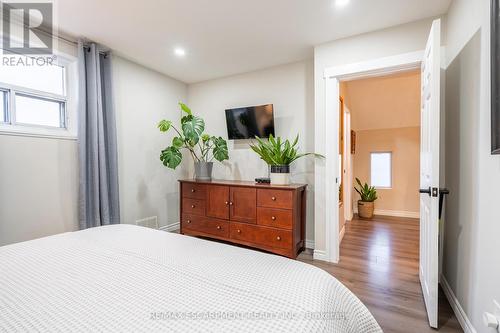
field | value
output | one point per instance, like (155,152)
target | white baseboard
(341,234)
(309,244)
(457,308)
(320,255)
(397,213)
(394,213)
(171,227)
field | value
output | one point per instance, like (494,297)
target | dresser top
(244,183)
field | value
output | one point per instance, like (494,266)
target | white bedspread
(124,278)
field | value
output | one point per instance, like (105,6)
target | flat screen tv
(249,122)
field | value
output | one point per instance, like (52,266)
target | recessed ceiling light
(180,52)
(341,3)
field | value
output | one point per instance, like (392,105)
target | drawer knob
(227,203)
(230,203)
(192,206)
(238,231)
(218,227)
(278,238)
(273,198)
(273,218)
(193,190)
(188,221)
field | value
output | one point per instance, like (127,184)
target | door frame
(333,76)
(347,172)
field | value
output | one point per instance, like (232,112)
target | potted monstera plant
(202,147)
(279,154)
(368,195)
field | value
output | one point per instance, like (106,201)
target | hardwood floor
(379,263)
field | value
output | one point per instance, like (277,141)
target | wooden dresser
(267,217)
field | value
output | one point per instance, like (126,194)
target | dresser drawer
(273,217)
(194,191)
(274,198)
(205,225)
(193,206)
(270,237)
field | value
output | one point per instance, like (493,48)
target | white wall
(397,40)
(472,227)
(38,184)
(142,98)
(38,187)
(39,176)
(290,89)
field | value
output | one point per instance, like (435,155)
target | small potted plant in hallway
(202,147)
(366,205)
(279,154)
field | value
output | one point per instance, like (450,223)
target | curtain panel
(98,178)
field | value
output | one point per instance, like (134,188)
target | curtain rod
(68,39)
(75,42)
(20,21)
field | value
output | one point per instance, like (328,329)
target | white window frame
(390,169)
(69,100)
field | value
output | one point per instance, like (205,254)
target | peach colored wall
(385,113)
(404,143)
(384,102)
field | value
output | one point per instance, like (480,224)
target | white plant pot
(280,178)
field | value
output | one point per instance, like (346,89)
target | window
(45,77)
(381,169)
(3,106)
(32,110)
(34,98)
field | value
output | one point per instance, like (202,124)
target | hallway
(379,262)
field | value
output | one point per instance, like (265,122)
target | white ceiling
(225,37)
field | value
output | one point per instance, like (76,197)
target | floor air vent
(149,222)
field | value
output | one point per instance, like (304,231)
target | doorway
(380,144)
(326,174)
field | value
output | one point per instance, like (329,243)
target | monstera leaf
(192,127)
(177,142)
(220,149)
(185,108)
(201,146)
(164,125)
(171,157)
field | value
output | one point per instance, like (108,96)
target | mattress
(125,278)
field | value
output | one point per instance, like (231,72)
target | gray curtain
(98,196)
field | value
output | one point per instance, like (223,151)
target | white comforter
(124,278)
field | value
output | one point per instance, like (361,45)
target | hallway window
(381,169)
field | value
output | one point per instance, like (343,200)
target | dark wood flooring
(379,263)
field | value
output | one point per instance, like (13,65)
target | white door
(429,173)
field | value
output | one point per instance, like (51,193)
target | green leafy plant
(367,193)
(276,151)
(202,147)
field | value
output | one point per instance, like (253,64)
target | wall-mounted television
(249,122)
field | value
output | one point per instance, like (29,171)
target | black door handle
(423,190)
(442,193)
(434,192)
(431,191)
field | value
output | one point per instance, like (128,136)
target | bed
(123,278)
